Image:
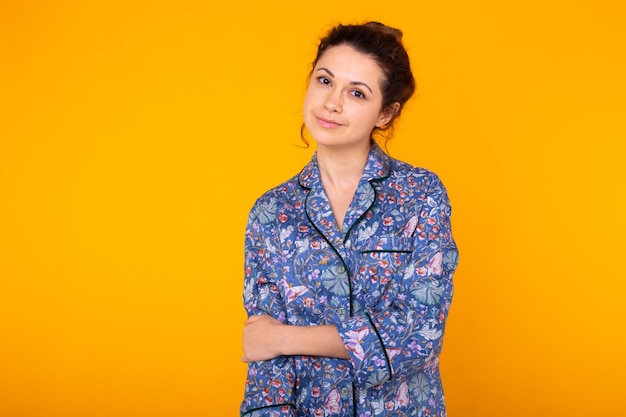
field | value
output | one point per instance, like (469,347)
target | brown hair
(383,44)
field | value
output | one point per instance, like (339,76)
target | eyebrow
(353,82)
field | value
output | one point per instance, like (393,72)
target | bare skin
(264,338)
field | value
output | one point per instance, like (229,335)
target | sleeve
(270,384)
(404,332)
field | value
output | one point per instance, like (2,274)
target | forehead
(346,62)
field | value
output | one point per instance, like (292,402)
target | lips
(326,123)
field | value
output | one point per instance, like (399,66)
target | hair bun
(384,29)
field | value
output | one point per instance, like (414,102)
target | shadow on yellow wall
(135,137)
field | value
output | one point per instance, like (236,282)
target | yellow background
(135,136)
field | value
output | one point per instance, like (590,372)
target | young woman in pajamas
(349,264)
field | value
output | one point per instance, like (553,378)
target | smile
(328,124)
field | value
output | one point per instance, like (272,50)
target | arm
(265,337)
(270,384)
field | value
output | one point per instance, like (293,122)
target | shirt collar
(378,166)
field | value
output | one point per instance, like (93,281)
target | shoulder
(283,192)
(280,198)
(422,187)
(414,178)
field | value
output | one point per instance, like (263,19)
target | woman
(348,265)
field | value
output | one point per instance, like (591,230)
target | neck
(342,167)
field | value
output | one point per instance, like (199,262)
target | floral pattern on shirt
(384,280)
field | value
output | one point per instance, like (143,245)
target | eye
(323,80)
(357,94)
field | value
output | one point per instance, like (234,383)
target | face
(343,102)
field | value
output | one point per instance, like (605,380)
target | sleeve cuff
(274,410)
(368,356)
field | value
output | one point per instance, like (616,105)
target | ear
(388,114)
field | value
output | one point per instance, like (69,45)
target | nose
(332,103)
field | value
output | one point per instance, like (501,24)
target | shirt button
(341,270)
(341,313)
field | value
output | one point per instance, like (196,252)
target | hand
(261,338)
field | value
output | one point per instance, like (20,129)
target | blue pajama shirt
(385,282)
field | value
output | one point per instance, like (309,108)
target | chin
(326,139)
(321,136)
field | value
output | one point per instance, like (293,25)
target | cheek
(309,100)
(311,96)
(367,117)
(308,108)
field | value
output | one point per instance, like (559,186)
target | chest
(325,277)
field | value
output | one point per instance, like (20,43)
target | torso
(309,274)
